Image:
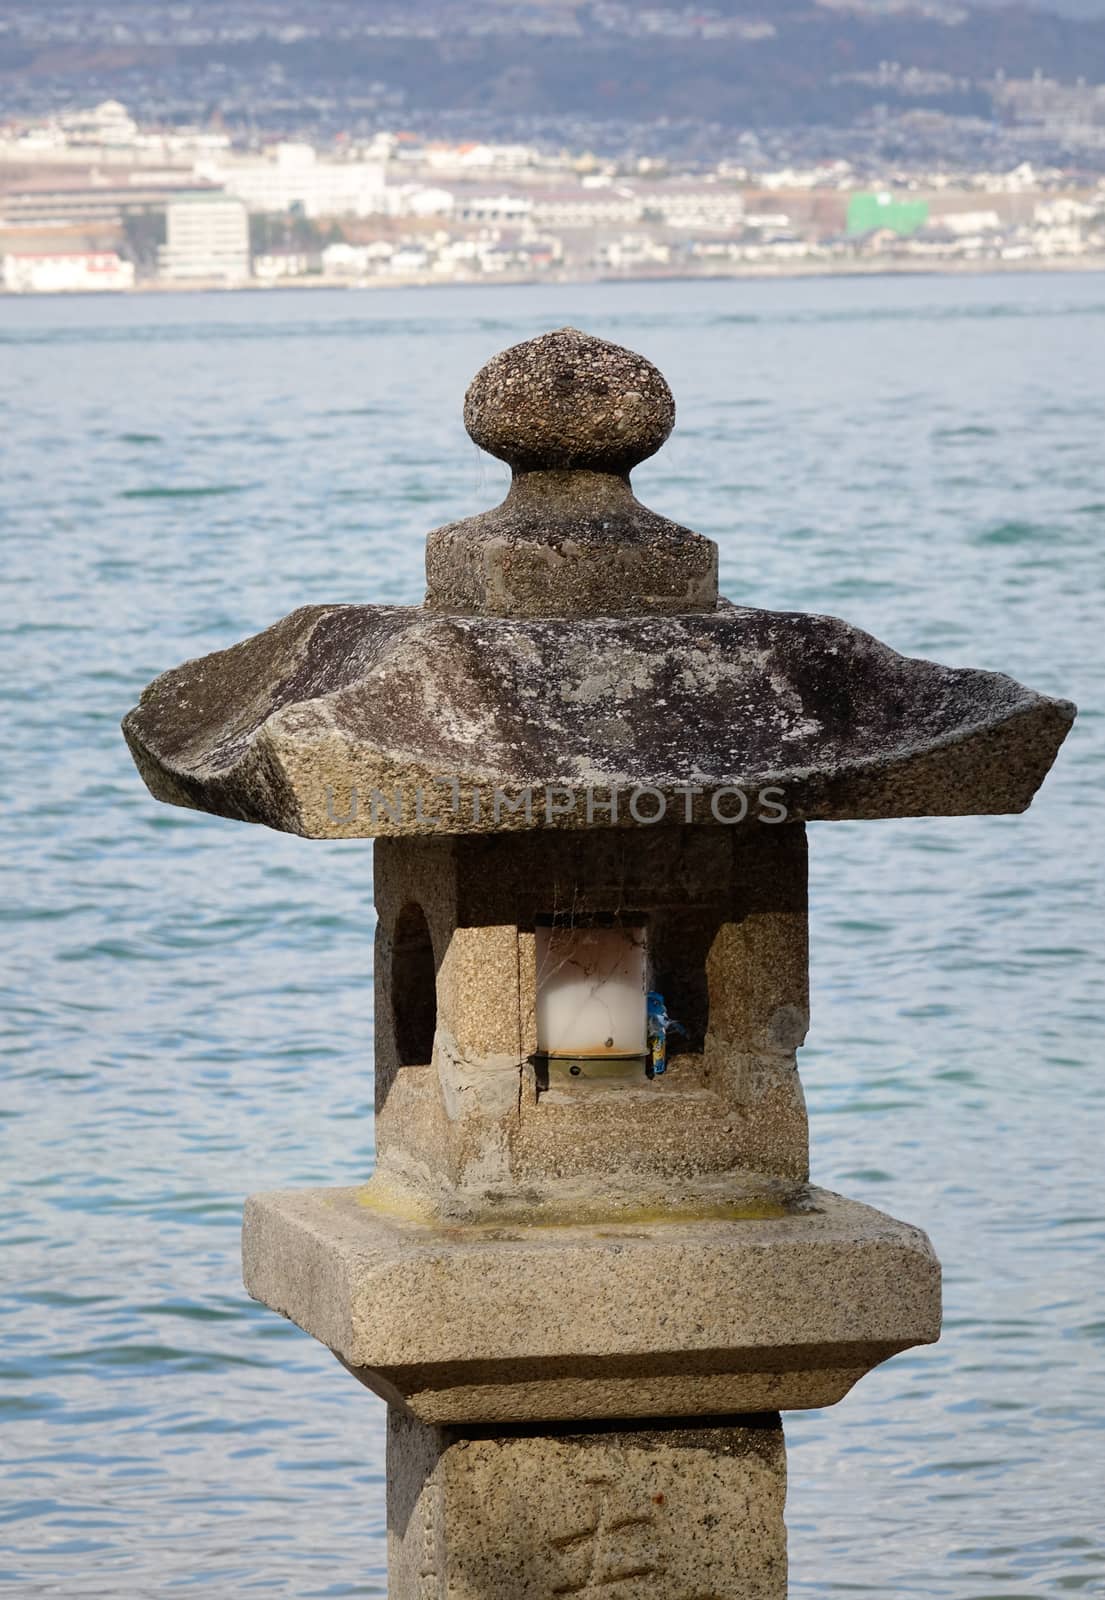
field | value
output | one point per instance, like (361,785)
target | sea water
(187,1002)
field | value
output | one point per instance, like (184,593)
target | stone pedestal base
(657,1318)
(661,1511)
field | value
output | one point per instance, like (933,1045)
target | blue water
(187,1002)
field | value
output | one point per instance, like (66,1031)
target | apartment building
(296,178)
(206,238)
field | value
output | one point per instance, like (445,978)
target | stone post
(590,1269)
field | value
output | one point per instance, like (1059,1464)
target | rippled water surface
(187,1002)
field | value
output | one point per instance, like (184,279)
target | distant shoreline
(752,271)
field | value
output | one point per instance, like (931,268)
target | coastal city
(147,146)
(91,198)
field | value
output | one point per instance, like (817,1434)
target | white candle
(591,987)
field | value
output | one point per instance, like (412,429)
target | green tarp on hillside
(869,211)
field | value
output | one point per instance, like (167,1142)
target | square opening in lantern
(592,996)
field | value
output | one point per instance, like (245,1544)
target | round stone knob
(568,401)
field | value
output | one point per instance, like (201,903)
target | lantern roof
(573,666)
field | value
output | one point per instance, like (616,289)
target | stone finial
(571,414)
(568,401)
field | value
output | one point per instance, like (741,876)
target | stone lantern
(589,1270)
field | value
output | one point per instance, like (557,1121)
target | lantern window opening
(413,987)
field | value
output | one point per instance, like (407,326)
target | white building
(586,208)
(492,206)
(695,206)
(355,260)
(206,237)
(1063,211)
(66,271)
(633,250)
(461,160)
(410,258)
(416,200)
(108,136)
(965,223)
(276,264)
(108,123)
(295,178)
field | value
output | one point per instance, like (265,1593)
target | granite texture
(532,1254)
(570,402)
(569,544)
(691,1318)
(466,1129)
(571,414)
(670,1512)
(361,721)
(573,643)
